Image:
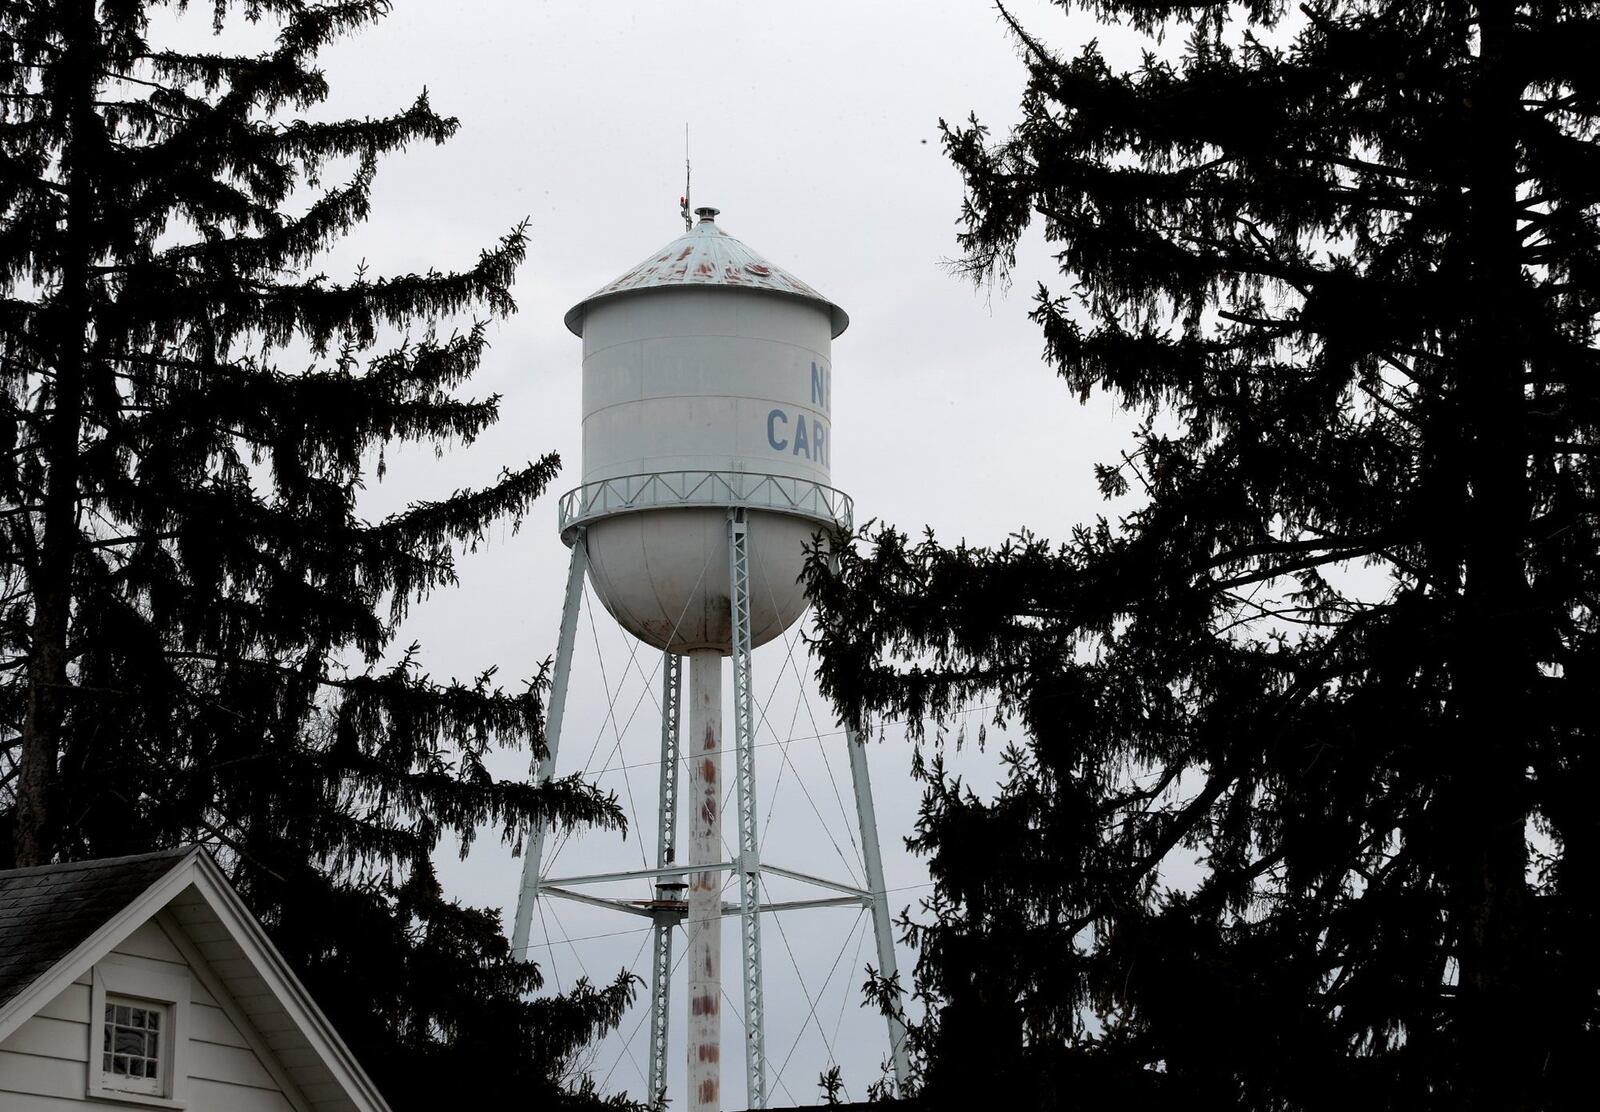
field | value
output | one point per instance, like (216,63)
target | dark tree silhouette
(1341,644)
(195,621)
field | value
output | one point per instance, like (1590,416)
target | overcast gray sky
(814,129)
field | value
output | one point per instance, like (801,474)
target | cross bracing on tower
(814,966)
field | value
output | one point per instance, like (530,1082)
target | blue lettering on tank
(819,386)
(819,450)
(773,418)
(801,441)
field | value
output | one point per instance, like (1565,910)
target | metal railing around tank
(662,490)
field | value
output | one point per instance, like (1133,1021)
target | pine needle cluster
(196,624)
(1338,648)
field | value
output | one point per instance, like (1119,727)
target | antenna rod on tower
(688,221)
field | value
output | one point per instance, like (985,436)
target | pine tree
(196,629)
(1338,639)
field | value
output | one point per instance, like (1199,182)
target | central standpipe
(704,922)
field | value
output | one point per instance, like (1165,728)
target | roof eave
(838,318)
(196,868)
(82,957)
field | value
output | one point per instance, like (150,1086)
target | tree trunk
(1494,667)
(67,337)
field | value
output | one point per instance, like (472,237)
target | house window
(134,1051)
(138,1037)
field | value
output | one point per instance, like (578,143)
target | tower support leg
(704,922)
(883,931)
(749,849)
(872,863)
(665,918)
(555,708)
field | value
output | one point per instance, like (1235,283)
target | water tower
(707,381)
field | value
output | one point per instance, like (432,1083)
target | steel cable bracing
(600,733)
(772,798)
(811,1014)
(593,1048)
(777,784)
(677,964)
(815,810)
(740,1018)
(648,690)
(555,966)
(576,956)
(822,751)
(805,701)
(588,938)
(821,737)
(772,693)
(776,743)
(783,749)
(611,718)
(844,997)
(763,706)
(779,743)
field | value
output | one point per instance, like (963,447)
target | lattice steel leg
(872,860)
(872,863)
(532,857)
(665,918)
(749,862)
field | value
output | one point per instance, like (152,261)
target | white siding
(44,1063)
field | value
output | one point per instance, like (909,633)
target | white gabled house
(144,982)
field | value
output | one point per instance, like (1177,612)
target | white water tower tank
(707,380)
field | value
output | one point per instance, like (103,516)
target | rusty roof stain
(706,256)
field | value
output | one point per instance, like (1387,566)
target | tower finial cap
(707,213)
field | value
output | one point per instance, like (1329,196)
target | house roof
(57,921)
(47,912)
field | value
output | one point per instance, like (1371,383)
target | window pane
(132,1056)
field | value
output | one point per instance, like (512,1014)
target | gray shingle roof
(46,912)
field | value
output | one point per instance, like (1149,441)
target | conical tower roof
(706,256)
